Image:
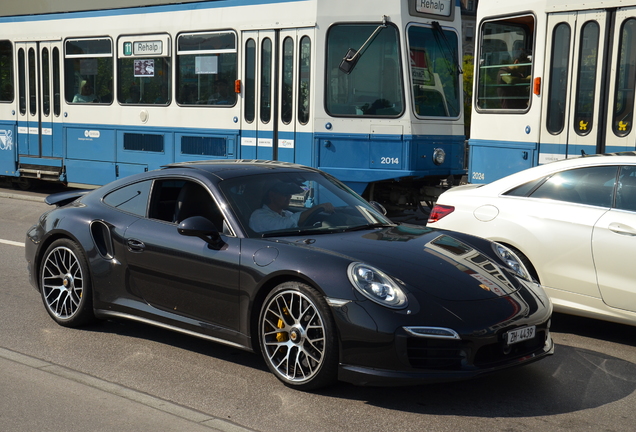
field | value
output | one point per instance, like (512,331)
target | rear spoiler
(62,198)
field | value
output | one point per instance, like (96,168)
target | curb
(21,197)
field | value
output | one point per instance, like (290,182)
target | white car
(571,222)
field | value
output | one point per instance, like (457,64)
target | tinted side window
(591,186)
(132,198)
(526,188)
(176,200)
(626,193)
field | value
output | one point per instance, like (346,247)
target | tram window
(46,86)
(304,73)
(374,87)
(287,96)
(623,112)
(33,102)
(57,99)
(559,78)
(250,80)
(21,82)
(88,70)
(206,68)
(586,80)
(434,72)
(505,64)
(6,71)
(266,80)
(144,81)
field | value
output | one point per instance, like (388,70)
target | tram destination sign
(442,8)
(148,48)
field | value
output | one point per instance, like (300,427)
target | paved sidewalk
(36,395)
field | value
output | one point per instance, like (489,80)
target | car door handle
(135,245)
(623,229)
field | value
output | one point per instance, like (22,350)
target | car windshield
(294,203)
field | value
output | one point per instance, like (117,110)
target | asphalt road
(122,376)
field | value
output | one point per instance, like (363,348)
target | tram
(553,80)
(366,90)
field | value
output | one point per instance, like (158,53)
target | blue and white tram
(553,79)
(367,90)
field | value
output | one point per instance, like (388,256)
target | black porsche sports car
(287,261)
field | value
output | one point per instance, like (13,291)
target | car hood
(444,264)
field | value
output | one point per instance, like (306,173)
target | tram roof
(36,7)
(569,5)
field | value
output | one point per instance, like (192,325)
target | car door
(613,245)
(554,225)
(178,274)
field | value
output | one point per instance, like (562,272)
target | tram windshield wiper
(446,47)
(352,56)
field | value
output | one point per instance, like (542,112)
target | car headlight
(512,261)
(376,286)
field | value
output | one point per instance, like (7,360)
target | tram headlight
(439,156)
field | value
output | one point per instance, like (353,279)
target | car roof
(225,169)
(622,158)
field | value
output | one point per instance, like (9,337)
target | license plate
(521,334)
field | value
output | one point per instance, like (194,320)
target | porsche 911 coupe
(288,262)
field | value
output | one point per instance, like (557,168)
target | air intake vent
(203,146)
(143,142)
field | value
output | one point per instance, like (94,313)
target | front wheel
(298,338)
(65,284)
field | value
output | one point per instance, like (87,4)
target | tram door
(620,133)
(276,95)
(574,90)
(39,105)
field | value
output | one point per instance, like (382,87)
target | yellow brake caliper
(282,336)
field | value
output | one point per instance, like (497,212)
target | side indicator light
(537,86)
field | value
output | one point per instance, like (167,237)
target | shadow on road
(573,379)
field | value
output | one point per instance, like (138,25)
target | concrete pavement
(36,395)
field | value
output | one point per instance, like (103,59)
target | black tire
(65,284)
(296,324)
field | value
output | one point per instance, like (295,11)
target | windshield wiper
(298,232)
(446,47)
(368,226)
(352,56)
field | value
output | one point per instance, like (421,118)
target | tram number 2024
(479,176)
(389,160)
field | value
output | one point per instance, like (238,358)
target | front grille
(453,354)
(439,354)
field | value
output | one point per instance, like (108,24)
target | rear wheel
(65,284)
(297,337)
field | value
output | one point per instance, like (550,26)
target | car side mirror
(198,226)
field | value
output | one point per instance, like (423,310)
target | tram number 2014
(479,176)
(389,160)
